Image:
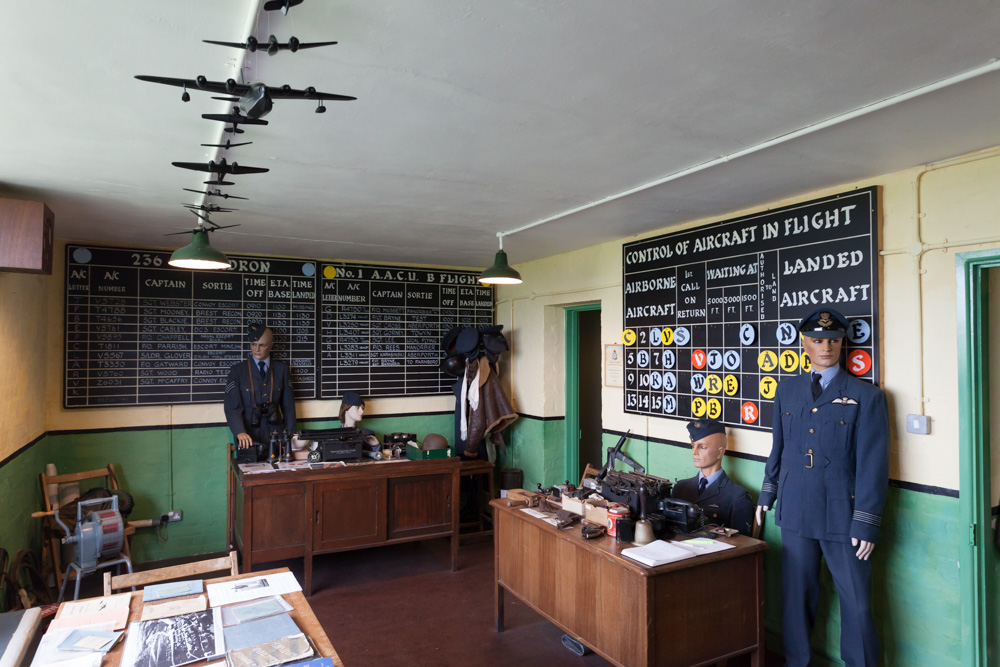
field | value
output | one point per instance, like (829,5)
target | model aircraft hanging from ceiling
(283,5)
(255,99)
(221,168)
(210,208)
(234,117)
(213,227)
(215,193)
(272,45)
(228,144)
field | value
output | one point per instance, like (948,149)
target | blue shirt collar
(826,376)
(267,362)
(711,478)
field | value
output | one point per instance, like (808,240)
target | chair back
(183,571)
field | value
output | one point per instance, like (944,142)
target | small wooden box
(26,236)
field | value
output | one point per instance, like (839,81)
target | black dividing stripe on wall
(139,332)
(710,313)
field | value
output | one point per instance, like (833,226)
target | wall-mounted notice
(139,332)
(381,327)
(710,313)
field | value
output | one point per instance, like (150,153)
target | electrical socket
(172,515)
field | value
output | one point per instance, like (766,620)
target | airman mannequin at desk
(259,397)
(829,472)
(724,502)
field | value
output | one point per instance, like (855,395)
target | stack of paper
(658,553)
(661,553)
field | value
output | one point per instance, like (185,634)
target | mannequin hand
(244,440)
(760,514)
(865,550)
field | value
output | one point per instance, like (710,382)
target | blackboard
(710,313)
(139,332)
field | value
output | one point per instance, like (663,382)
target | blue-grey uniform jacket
(724,502)
(829,462)
(244,386)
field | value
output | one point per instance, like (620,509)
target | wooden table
(300,513)
(301,613)
(694,612)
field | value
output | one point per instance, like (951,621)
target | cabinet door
(348,514)
(419,505)
(277,521)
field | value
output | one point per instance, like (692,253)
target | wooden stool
(476,470)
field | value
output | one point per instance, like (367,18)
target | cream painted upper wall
(23,326)
(56,417)
(957,202)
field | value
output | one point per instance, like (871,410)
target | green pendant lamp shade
(199,254)
(501,272)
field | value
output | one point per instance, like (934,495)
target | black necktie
(817,388)
(263,369)
(702,485)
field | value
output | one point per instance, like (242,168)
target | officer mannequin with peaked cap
(260,381)
(829,472)
(724,502)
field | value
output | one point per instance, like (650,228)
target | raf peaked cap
(702,428)
(468,343)
(255,330)
(823,323)
(352,398)
(448,341)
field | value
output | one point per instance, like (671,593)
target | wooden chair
(54,546)
(185,571)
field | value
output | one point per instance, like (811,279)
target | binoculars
(266,408)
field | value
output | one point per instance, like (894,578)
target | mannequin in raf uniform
(259,397)
(829,472)
(724,502)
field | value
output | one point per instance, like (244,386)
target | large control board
(710,312)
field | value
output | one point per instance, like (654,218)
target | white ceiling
(481,117)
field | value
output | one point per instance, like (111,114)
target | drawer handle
(317,517)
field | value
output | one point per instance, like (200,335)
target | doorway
(977,554)
(584,355)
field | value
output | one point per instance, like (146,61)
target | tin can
(616,512)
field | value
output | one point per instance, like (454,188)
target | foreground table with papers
(704,605)
(252,620)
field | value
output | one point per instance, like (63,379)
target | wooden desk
(301,613)
(291,514)
(694,612)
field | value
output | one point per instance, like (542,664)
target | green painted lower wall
(20,495)
(532,448)
(163,469)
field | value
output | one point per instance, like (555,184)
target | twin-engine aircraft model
(235,118)
(255,99)
(221,168)
(272,45)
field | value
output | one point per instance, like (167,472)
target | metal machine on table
(647,496)
(336,444)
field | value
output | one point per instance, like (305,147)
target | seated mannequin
(352,409)
(724,502)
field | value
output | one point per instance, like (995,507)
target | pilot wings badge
(844,400)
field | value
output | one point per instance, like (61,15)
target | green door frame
(975,553)
(571,437)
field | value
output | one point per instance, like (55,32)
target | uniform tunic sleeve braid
(872,472)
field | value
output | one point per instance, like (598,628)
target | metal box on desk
(414,453)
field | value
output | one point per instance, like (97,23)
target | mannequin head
(352,409)
(261,342)
(822,332)
(708,445)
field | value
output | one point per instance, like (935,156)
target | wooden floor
(402,605)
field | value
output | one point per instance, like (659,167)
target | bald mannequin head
(707,453)
(261,348)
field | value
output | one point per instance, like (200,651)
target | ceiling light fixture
(501,272)
(199,254)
